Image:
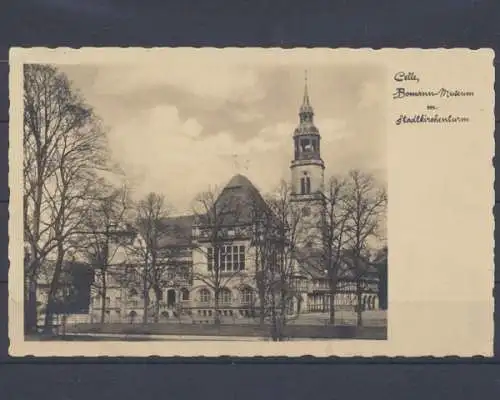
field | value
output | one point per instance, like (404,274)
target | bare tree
(334,224)
(151,213)
(265,236)
(280,273)
(380,263)
(366,207)
(105,232)
(220,219)
(64,147)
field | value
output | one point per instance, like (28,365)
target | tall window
(226,296)
(305,185)
(204,296)
(247,296)
(210,258)
(185,294)
(230,258)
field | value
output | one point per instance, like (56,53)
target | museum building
(198,269)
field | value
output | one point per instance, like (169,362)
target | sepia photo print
(208,198)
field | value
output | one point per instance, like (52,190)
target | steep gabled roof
(312,263)
(239,181)
(176,231)
(236,204)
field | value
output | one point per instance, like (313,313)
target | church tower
(307,169)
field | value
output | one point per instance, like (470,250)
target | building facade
(214,267)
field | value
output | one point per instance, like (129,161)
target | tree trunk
(145,308)
(262,304)
(54,285)
(30,305)
(284,302)
(145,293)
(262,313)
(216,308)
(104,269)
(274,321)
(333,290)
(158,298)
(359,307)
(32,267)
(260,277)
(104,291)
(278,317)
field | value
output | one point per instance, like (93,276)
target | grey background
(357,23)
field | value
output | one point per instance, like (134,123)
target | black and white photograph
(207,199)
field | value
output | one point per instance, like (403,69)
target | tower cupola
(306,136)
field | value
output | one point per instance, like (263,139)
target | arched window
(185,294)
(204,296)
(132,292)
(132,316)
(226,296)
(305,184)
(247,296)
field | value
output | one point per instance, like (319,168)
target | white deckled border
(440,219)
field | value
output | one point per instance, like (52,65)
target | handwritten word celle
(402,76)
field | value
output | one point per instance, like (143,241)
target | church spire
(306,107)
(306,93)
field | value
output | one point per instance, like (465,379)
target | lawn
(307,326)
(293,331)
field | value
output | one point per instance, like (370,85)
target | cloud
(192,128)
(171,156)
(247,115)
(280,135)
(214,81)
(370,92)
(216,120)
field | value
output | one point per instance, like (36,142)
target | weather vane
(237,163)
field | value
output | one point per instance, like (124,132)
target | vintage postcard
(251,202)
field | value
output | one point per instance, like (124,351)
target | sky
(178,128)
